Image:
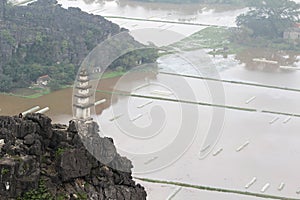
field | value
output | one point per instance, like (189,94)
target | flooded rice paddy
(217,122)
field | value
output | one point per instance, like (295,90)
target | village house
(43,81)
(292,33)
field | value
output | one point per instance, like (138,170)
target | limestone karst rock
(34,150)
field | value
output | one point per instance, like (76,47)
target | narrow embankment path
(215,189)
(128,94)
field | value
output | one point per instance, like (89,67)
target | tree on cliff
(269,18)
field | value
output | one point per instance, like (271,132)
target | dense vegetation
(269,18)
(264,25)
(44,38)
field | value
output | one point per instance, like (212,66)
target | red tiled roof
(45,76)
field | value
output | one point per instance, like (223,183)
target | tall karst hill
(43,34)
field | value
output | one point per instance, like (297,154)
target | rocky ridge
(39,160)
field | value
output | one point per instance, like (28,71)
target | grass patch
(223,40)
(112,74)
(116,73)
(35,92)
(38,93)
(216,38)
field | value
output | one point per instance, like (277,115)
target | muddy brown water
(60,102)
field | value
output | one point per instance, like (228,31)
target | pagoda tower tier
(83,106)
(83,87)
(83,95)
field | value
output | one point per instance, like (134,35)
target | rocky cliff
(39,160)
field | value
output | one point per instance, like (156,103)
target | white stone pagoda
(83,95)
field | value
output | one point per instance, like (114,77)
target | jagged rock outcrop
(34,151)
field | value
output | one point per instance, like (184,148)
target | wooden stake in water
(136,118)
(287,120)
(265,187)
(151,160)
(174,193)
(163,93)
(250,100)
(142,86)
(116,117)
(281,186)
(100,102)
(145,104)
(251,183)
(242,146)
(205,148)
(217,152)
(274,120)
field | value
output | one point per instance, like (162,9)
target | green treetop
(269,18)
